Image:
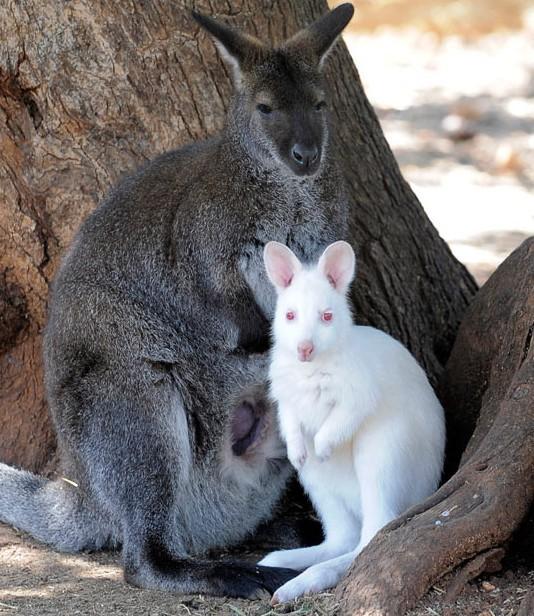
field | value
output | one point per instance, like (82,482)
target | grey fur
(157,333)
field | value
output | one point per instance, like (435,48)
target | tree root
(486,562)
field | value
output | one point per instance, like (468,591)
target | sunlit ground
(459,114)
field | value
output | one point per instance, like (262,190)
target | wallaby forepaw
(323,448)
(297,455)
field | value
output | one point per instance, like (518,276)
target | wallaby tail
(53,512)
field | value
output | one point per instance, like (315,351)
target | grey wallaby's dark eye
(320,105)
(265,109)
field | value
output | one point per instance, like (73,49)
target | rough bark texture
(491,370)
(91,89)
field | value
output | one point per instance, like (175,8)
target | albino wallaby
(154,375)
(361,422)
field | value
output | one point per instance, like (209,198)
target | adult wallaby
(362,424)
(158,326)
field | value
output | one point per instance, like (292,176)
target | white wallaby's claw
(323,449)
(297,454)
(275,600)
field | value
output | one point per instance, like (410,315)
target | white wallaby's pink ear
(338,264)
(281,264)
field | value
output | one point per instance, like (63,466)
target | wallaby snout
(305,350)
(305,158)
(296,130)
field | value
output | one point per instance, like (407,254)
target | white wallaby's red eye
(290,315)
(327,316)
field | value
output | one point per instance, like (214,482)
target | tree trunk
(91,89)
(490,374)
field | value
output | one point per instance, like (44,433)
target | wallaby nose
(305,350)
(305,155)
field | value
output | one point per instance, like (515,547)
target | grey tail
(53,512)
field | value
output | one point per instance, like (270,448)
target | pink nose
(305,350)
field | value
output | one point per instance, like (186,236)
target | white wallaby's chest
(309,396)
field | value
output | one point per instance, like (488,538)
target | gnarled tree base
(491,374)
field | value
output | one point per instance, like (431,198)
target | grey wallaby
(159,319)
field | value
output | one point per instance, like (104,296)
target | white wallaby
(362,425)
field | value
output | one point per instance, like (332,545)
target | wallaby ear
(338,264)
(321,35)
(281,264)
(235,47)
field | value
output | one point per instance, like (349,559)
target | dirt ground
(459,115)
(34,581)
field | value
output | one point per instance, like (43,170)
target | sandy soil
(460,117)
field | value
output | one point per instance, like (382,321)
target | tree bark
(490,374)
(91,89)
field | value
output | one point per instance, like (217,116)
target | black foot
(241,580)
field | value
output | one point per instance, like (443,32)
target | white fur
(232,62)
(362,424)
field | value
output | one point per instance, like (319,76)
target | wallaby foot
(341,532)
(155,568)
(316,579)
(302,558)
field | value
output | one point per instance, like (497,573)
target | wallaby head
(312,312)
(281,108)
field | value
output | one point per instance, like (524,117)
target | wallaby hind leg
(380,476)
(144,477)
(341,530)
(54,512)
(148,564)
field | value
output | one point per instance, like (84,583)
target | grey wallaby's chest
(255,206)
(305,216)
(301,215)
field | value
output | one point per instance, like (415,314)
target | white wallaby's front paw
(323,447)
(297,454)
